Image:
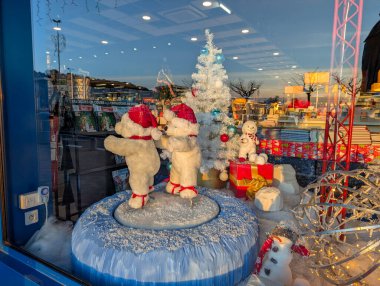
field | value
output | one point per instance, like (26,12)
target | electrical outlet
(31,217)
(29,200)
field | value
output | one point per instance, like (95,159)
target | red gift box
(298,150)
(242,173)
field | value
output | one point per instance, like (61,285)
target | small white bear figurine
(138,127)
(181,142)
(275,255)
(248,142)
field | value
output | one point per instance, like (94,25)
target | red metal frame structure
(344,63)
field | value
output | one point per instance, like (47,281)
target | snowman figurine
(248,141)
(276,254)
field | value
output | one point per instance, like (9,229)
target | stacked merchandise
(295,135)
(84,118)
(375,138)
(105,116)
(98,116)
(308,144)
(361,141)
(268,133)
(360,135)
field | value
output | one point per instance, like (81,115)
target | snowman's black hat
(286,231)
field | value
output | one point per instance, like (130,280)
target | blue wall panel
(20,124)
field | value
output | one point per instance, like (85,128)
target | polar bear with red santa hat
(181,142)
(138,128)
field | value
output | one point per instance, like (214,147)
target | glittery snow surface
(166,211)
(219,252)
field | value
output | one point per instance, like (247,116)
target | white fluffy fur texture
(279,272)
(247,144)
(127,128)
(168,114)
(186,155)
(141,157)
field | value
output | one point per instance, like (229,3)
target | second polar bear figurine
(138,128)
(181,142)
(248,142)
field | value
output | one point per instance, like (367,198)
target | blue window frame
(24,144)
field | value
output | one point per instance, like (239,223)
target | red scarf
(300,249)
(251,135)
(135,137)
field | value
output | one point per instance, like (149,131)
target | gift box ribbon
(254,185)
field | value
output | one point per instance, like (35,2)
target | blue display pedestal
(221,251)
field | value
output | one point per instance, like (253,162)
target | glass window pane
(94,60)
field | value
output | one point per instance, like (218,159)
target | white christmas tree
(210,99)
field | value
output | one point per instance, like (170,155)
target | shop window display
(182,134)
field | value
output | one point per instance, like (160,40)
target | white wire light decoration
(343,251)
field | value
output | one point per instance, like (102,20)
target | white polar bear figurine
(138,129)
(276,253)
(248,142)
(181,142)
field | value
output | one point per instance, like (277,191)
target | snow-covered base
(52,242)
(165,211)
(269,199)
(221,251)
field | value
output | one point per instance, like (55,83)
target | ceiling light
(235,58)
(47,52)
(276,76)
(146,17)
(70,60)
(79,57)
(135,49)
(260,69)
(154,47)
(207,3)
(122,52)
(221,5)
(95,56)
(57,28)
(169,44)
(245,31)
(276,53)
(293,67)
(54,61)
(289,82)
(194,39)
(106,53)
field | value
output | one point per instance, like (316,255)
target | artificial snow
(53,243)
(166,211)
(283,172)
(284,178)
(220,250)
(289,187)
(269,199)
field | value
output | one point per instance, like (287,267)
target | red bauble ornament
(224,138)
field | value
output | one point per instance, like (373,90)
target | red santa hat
(181,111)
(142,115)
(144,122)
(184,115)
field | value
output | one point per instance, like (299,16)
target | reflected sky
(284,38)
